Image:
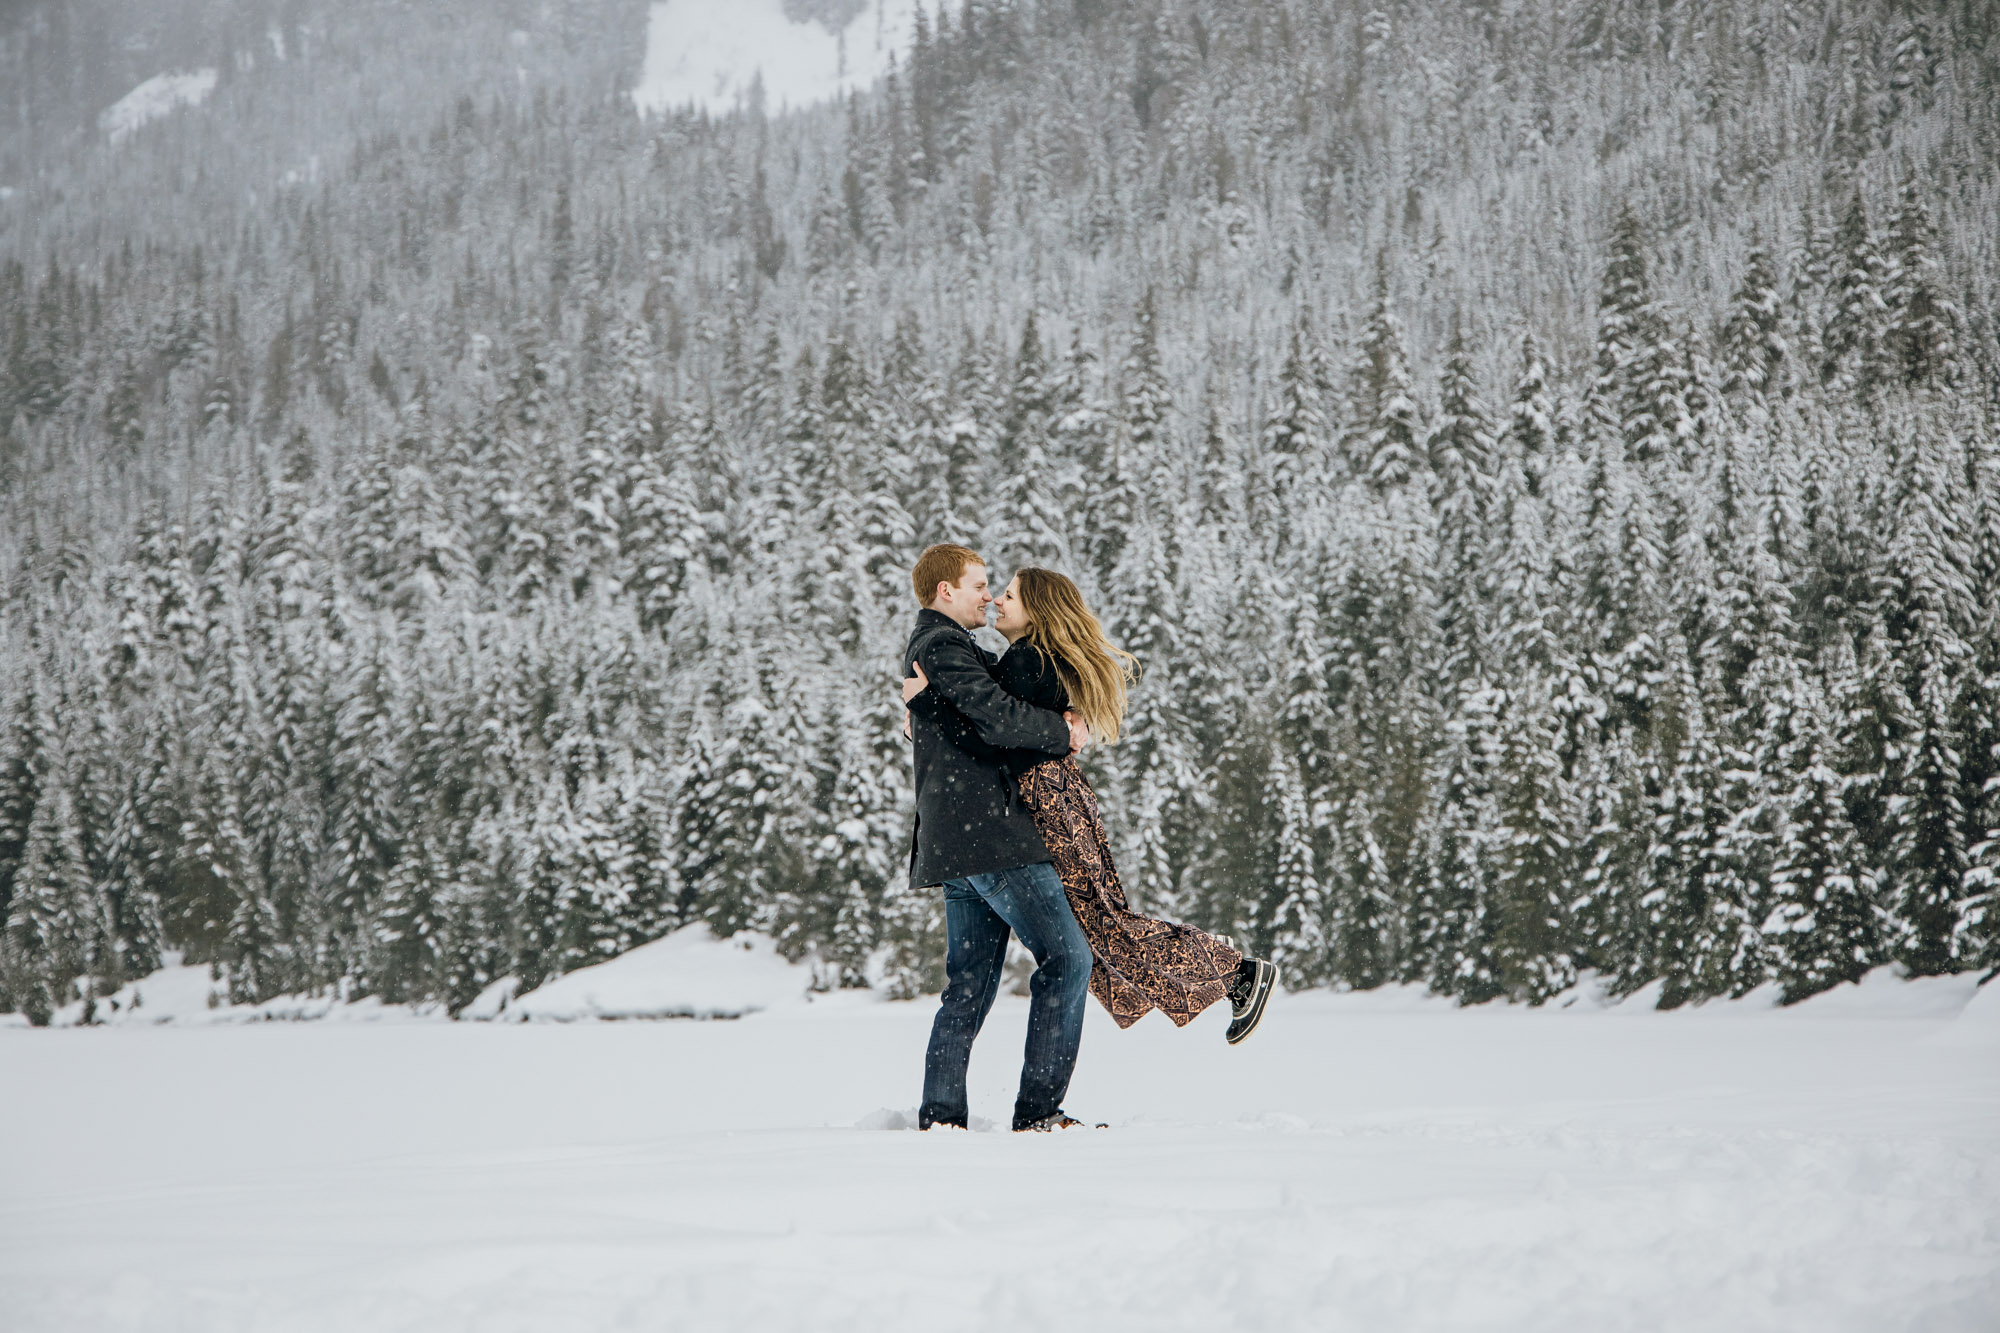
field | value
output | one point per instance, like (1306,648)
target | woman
(1058,659)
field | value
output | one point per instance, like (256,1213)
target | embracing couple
(1007,823)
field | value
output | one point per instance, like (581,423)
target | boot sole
(1260,993)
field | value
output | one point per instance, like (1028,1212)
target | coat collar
(928,619)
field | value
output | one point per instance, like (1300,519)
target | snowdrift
(1978,1023)
(688,974)
(190,996)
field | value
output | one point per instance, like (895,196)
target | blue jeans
(979,911)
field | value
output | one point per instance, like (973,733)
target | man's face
(966,602)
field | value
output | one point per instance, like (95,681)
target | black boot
(1249,989)
(1050,1123)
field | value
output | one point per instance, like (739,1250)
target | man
(977,840)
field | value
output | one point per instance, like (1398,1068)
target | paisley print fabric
(1139,963)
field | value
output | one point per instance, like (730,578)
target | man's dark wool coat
(970,820)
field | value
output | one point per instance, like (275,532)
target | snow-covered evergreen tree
(1531,855)
(1755,347)
(1857,322)
(1923,320)
(1461,449)
(1825,924)
(1388,447)
(1297,434)
(1928,851)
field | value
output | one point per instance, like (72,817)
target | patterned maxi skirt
(1139,963)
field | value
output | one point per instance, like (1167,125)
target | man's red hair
(943,563)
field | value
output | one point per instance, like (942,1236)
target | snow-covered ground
(1369,1162)
(155,98)
(708,54)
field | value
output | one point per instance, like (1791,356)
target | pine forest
(1545,455)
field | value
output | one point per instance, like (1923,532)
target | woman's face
(1009,616)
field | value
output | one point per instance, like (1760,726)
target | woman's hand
(1079,731)
(915,685)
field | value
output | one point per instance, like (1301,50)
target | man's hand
(1079,730)
(915,685)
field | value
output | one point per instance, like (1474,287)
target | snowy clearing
(155,98)
(709,55)
(1368,1162)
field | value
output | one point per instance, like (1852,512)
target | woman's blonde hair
(1093,670)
